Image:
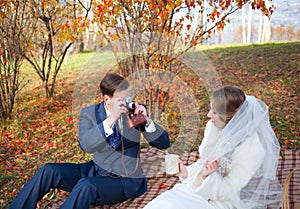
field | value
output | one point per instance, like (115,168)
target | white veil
(253,117)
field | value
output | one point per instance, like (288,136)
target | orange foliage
(127,17)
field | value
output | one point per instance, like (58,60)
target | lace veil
(263,190)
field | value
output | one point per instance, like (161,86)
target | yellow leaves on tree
(69,31)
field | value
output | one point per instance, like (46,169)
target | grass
(270,72)
(43,130)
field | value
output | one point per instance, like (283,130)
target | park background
(43,129)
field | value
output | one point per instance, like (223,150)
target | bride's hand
(209,168)
(183,173)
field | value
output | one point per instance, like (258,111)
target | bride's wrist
(204,175)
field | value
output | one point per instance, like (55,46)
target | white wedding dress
(219,190)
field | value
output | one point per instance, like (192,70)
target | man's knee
(86,185)
(49,168)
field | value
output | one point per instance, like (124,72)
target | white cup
(171,163)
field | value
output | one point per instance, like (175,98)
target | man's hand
(140,109)
(118,108)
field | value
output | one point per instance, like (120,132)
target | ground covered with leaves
(44,130)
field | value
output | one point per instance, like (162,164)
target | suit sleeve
(159,138)
(91,134)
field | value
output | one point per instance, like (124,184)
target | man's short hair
(112,83)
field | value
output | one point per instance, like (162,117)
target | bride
(238,159)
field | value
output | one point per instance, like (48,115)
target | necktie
(114,138)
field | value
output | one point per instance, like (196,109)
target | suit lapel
(100,112)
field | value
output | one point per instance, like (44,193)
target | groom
(115,173)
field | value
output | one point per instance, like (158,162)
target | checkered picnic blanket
(158,181)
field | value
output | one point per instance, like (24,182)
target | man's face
(119,97)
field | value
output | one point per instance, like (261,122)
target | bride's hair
(226,102)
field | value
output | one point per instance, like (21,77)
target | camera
(133,119)
(130,104)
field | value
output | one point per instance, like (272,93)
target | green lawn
(42,130)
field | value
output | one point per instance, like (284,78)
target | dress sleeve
(207,132)
(197,166)
(246,160)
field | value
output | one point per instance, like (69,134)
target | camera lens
(131,105)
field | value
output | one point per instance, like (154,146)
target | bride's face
(216,120)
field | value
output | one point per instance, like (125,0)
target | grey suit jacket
(123,161)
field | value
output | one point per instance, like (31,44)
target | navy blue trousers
(84,182)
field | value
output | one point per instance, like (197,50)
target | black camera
(133,119)
(130,104)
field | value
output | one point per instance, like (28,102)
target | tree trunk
(259,35)
(249,25)
(87,39)
(266,35)
(243,25)
(267,25)
(200,21)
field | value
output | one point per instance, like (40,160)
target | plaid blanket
(158,181)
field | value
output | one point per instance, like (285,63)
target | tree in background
(16,31)
(283,33)
(52,27)
(264,28)
(155,28)
(59,23)
(150,37)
